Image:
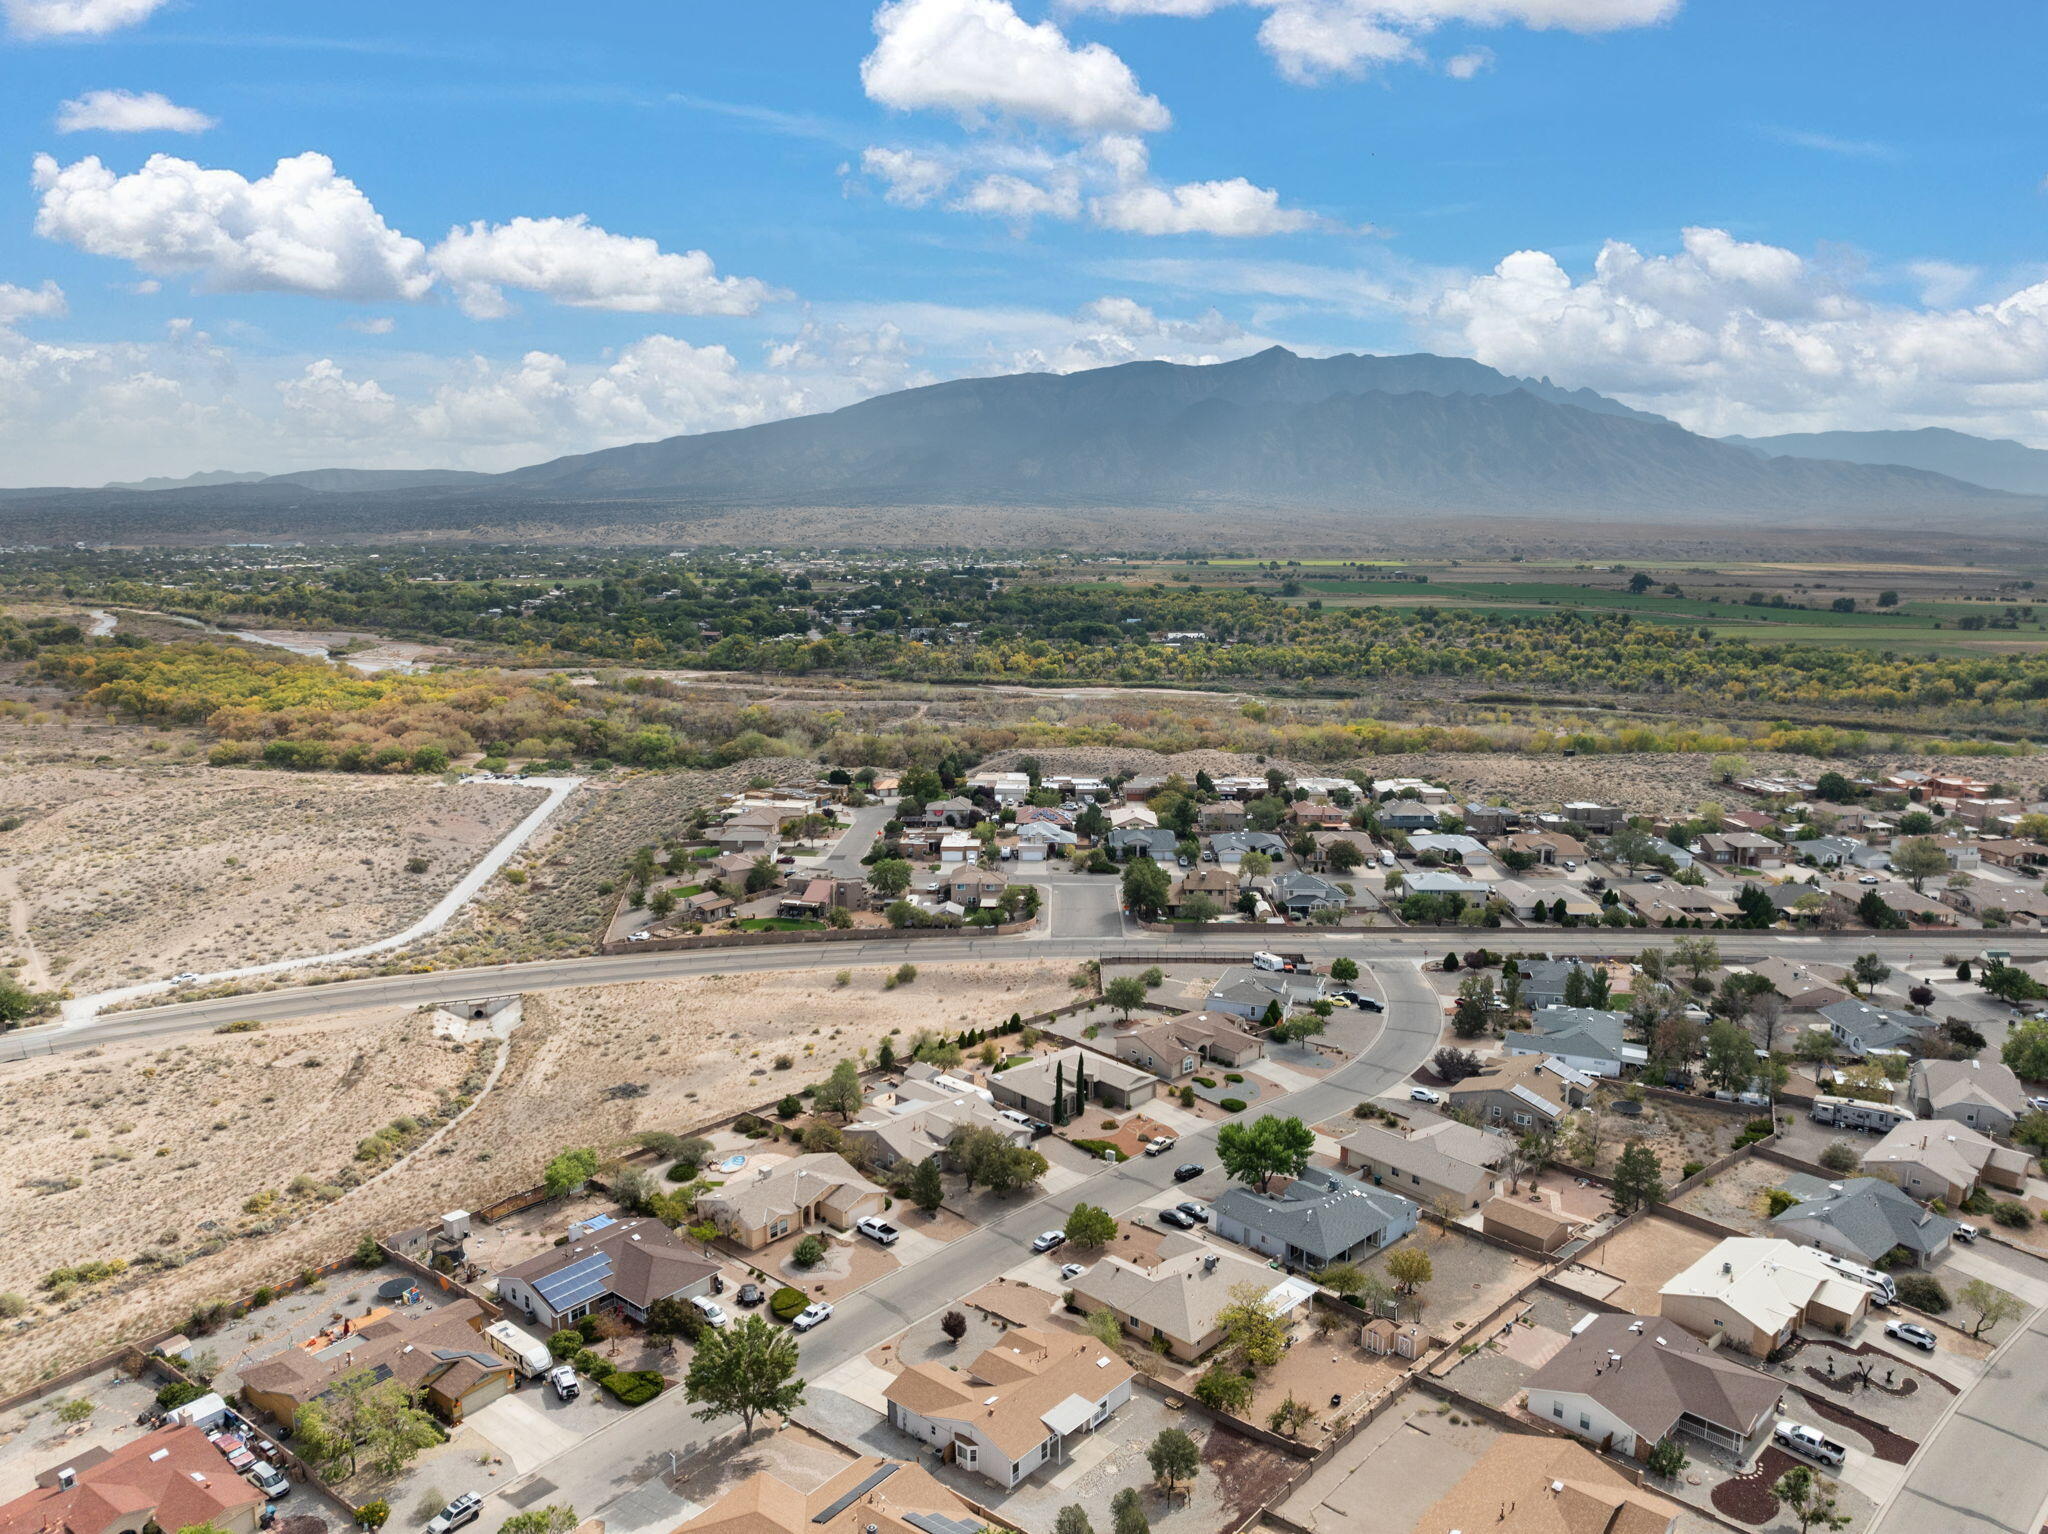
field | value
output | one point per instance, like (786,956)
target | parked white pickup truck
(1811,1442)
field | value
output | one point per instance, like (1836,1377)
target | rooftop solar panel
(583,1279)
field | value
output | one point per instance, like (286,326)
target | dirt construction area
(117,875)
(216,1166)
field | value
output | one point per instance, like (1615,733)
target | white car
(712,1312)
(269,1480)
(638,937)
(1072,1270)
(562,1380)
(185,979)
(1917,1336)
(810,1316)
(1966,1232)
(1423,1095)
(878,1230)
(1159,1145)
(1046,1240)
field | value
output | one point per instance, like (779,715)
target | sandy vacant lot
(245,1114)
(131,873)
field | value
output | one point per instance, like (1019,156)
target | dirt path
(34,973)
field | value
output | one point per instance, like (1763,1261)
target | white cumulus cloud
(1736,336)
(75,18)
(980,60)
(1020,200)
(1232,208)
(909,179)
(129,112)
(19,303)
(574,262)
(301,229)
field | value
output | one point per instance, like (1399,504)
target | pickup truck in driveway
(1811,1442)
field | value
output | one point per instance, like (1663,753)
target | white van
(1386,857)
(712,1312)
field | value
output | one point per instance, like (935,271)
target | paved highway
(1081,922)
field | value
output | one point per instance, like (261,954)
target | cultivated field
(170,1146)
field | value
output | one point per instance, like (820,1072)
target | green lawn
(778,924)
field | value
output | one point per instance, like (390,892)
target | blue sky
(686,216)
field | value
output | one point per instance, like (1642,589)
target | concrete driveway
(526,1433)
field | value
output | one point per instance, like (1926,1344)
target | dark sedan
(1188,1171)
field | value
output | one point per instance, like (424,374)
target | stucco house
(1319,1219)
(441,1353)
(1175,1296)
(1439,1162)
(1753,1292)
(1937,1158)
(817,1189)
(172,1478)
(1624,1382)
(606,1264)
(1985,1095)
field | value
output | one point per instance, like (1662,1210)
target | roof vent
(160,1454)
(68,1478)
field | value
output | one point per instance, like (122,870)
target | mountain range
(1346,440)
(1994,462)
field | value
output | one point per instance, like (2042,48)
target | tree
(2026,1050)
(360,1418)
(761,876)
(840,1092)
(1731,1057)
(1146,889)
(1251,1328)
(1410,1268)
(1266,1148)
(569,1171)
(1090,1227)
(1666,1460)
(1809,1499)
(1128,1509)
(1344,970)
(889,876)
(1640,583)
(669,1316)
(1834,788)
(744,1370)
(1992,1305)
(1477,1004)
(1173,1458)
(1126,993)
(1638,1180)
(1290,1416)
(1071,1519)
(927,1187)
(1838,1156)
(555,1518)
(1869,970)
(1701,955)
(1918,859)
(1199,909)
(1452,1065)
(1631,846)
(1223,1387)
(954,1324)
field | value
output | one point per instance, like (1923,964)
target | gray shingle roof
(1321,1214)
(1869,1216)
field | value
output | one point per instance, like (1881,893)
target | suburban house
(1300,893)
(1600,819)
(1367,849)
(1444,1162)
(1945,1160)
(1862,1029)
(1548,848)
(1311,812)
(1131,815)
(1224,815)
(607,1264)
(1218,884)
(1799,982)
(1735,849)
(1865,1219)
(1535,1226)
(1154,842)
(2026,907)
(1753,1292)
(440,1353)
(1831,851)
(805,1190)
(1319,1219)
(1175,1296)
(956,812)
(1021,1405)
(1247,992)
(1434,881)
(1490,819)
(921,1116)
(1419,790)
(1527,1483)
(1544,980)
(1182,1045)
(170,1479)
(1231,846)
(1067,1075)
(1520,1092)
(1003,787)
(1403,815)
(886,1496)
(755,834)
(1586,1039)
(1625,1382)
(1036,840)
(1659,903)
(1984,1095)
(972,888)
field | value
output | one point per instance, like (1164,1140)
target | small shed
(1527,1225)
(1395,1339)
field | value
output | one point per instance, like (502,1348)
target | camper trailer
(529,1357)
(1853,1113)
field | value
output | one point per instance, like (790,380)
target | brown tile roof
(649,1261)
(1530,1485)
(1649,1372)
(441,1347)
(1540,1225)
(895,1491)
(172,1477)
(1006,1392)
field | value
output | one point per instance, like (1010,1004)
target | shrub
(595,1365)
(809,1252)
(2013,1215)
(1923,1292)
(587,1329)
(1839,1156)
(1206,1081)
(1232,1105)
(1777,1201)
(1692,1169)
(633,1387)
(680,1173)
(177,1394)
(785,1302)
(1233,1078)
(1097,1148)
(374,1515)
(566,1344)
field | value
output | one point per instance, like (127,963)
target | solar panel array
(940,1523)
(584,1279)
(873,1479)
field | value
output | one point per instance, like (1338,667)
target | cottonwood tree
(840,1092)
(744,1370)
(1266,1148)
(569,1171)
(1251,1328)
(361,1418)
(1090,1227)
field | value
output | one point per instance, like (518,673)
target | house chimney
(66,1478)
